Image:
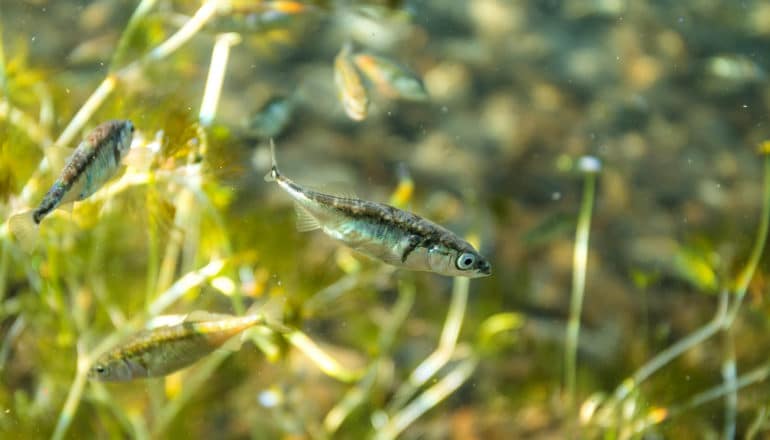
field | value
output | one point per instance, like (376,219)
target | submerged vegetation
(599,154)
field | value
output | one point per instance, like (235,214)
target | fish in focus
(391,80)
(383,232)
(164,350)
(350,87)
(93,163)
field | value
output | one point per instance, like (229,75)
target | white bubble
(270,398)
(589,164)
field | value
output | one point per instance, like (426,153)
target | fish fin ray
(57,157)
(305,221)
(272,313)
(232,345)
(338,189)
(22,226)
(411,244)
(273,174)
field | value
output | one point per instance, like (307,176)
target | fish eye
(100,369)
(465,261)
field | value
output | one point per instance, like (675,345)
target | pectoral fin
(412,242)
(233,344)
(305,221)
(23,228)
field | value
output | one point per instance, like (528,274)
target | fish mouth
(484,268)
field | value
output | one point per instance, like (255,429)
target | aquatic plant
(482,125)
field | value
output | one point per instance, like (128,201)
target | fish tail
(273,174)
(24,229)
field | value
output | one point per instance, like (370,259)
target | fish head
(124,136)
(458,260)
(110,370)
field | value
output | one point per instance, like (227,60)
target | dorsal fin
(339,188)
(202,315)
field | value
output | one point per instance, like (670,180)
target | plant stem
(580,261)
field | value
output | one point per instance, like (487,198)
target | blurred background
(671,98)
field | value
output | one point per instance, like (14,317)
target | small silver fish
(350,87)
(164,350)
(271,119)
(93,163)
(381,231)
(391,79)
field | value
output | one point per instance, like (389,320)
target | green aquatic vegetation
(368,351)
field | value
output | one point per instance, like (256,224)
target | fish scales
(388,215)
(394,236)
(95,159)
(163,350)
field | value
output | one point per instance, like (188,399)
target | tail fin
(24,229)
(272,175)
(271,312)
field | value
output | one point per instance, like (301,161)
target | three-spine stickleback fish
(164,350)
(94,162)
(381,231)
(350,87)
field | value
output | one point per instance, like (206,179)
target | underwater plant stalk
(140,12)
(745,276)
(153,247)
(428,399)
(344,284)
(756,424)
(47,114)
(216,76)
(756,375)
(3,76)
(352,399)
(579,263)
(73,397)
(28,125)
(724,317)
(446,346)
(192,384)
(184,284)
(325,363)
(356,395)
(670,353)
(4,260)
(728,375)
(187,31)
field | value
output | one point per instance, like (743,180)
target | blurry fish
(381,231)
(93,50)
(732,73)
(164,350)
(271,119)
(403,192)
(737,68)
(351,89)
(392,80)
(92,164)
(250,16)
(287,7)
